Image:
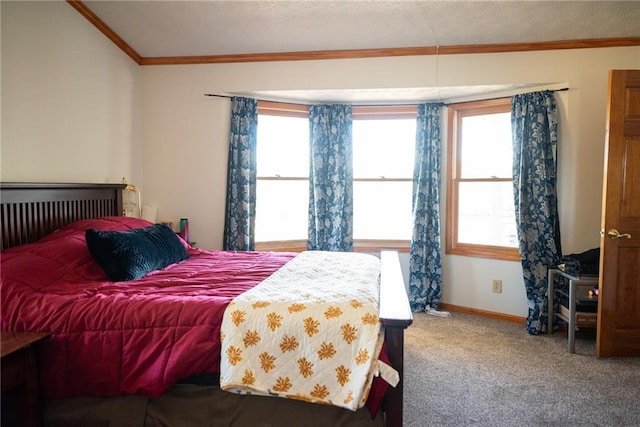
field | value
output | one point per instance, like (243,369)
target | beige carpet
(459,371)
(472,371)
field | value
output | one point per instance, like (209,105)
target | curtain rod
(376,105)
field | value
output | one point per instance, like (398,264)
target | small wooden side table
(575,282)
(20,372)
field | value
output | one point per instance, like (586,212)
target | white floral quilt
(309,332)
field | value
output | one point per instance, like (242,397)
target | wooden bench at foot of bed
(395,315)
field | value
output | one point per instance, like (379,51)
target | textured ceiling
(196,28)
(179,28)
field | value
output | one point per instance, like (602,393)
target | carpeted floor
(474,371)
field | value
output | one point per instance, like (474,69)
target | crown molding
(105,29)
(390,52)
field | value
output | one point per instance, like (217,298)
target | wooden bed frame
(30,211)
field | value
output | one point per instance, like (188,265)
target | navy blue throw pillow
(131,254)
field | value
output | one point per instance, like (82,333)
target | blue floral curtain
(425,268)
(534,122)
(330,178)
(241,176)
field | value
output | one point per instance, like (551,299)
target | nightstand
(568,311)
(20,373)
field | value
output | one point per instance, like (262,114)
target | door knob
(615,234)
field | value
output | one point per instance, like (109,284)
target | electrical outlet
(496,286)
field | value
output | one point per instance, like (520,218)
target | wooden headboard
(32,210)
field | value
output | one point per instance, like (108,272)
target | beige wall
(180,119)
(70,99)
(80,110)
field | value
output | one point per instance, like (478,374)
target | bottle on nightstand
(184,229)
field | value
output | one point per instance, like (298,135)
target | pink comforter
(112,338)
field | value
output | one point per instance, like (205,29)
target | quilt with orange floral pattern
(310,331)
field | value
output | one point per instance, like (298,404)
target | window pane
(486,146)
(486,214)
(282,210)
(283,146)
(382,210)
(383,148)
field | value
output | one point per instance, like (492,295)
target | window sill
(358,245)
(362,245)
(479,251)
(282,246)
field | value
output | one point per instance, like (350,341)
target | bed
(34,211)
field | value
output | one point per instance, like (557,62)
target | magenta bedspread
(112,338)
